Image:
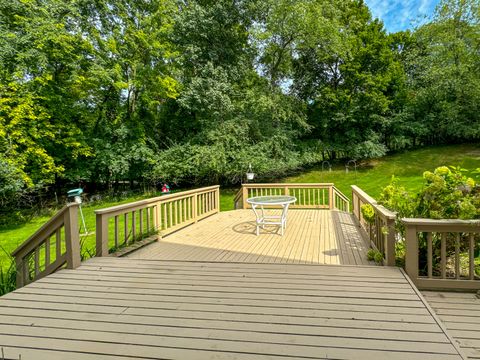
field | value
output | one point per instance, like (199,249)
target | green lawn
(371,177)
(408,167)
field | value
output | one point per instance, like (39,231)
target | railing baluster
(175,208)
(429,255)
(149,214)
(116,231)
(36,261)
(140,223)
(125,228)
(47,251)
(443,255)
(471,258)
(184,209)
(457,256)
(165,217)
(134,226)
(170,215)
(26,271)
(58,244)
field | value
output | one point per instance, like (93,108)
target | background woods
(194,91)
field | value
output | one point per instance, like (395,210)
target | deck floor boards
(460,313)
(124,308)
(311,237)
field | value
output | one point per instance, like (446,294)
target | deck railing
(442,238)
(54,245)
(382,231)
(309,196)
(160,215)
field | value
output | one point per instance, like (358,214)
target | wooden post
(217,199)
(331,202)
(20,278)
(390,243)
(244,197)
(72,240)
(194,207)
(411,252)
(158,216)
(102,235)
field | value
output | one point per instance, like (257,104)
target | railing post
(20,271)
(331,200)
(217,199)
(195,207)
(244,196)
(411,252)
(72,240)
(390,243)
(102,235)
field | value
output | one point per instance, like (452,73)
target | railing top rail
(383,211)
(342,195)
(441,222)
(44,231)
(290,185)
(363,195)
(146,202)
(386,213)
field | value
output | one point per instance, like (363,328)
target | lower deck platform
(460,313)
(123,308)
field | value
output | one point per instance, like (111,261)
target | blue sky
(401,15)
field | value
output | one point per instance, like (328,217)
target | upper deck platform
(311,237)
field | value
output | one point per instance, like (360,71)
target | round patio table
(279,200)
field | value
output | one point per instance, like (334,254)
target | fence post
(102,235)
(72,240)
(411,252)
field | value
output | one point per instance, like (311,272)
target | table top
(272,200)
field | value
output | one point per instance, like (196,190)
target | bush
(368,213)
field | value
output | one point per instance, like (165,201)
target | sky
(401,14)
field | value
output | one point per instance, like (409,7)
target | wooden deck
(311,237)
(460,312)
(121,308)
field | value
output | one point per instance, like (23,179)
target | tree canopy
(192,92)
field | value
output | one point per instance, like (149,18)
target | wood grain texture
(460,313)
(123,308)
(311,237)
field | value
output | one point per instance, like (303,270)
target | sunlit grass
(371,176)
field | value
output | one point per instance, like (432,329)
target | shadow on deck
(312,237)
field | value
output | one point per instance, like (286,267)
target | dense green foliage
(447,193)
(192,92)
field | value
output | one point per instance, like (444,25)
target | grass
(408,167)
(12,236)
(371,176)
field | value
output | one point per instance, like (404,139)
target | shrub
(378,257)
(368,213)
